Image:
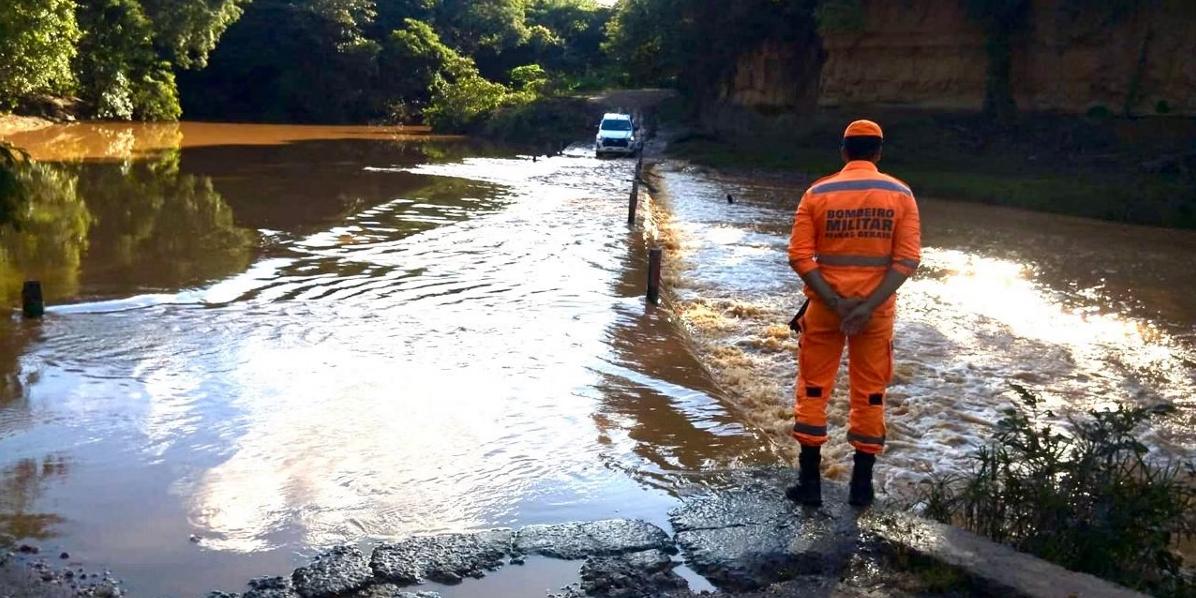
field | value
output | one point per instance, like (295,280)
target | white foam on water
(970,325)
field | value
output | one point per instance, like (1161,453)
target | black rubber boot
(808,490)
(862,493)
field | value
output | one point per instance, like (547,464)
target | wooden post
(655,255)
(634,201)
(639,166)
(32,303)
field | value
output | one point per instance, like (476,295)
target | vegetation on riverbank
(1089,497)
(1134,171)
(295,60)
(452,64)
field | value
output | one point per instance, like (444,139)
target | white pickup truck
(616,135)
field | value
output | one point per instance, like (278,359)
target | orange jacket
(854,226)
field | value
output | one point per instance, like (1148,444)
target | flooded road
(1085,314)
(267,340)
(297,337)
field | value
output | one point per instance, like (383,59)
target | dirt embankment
(1139,171)
(931,54)
(11,124)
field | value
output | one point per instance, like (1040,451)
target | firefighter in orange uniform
(856,239)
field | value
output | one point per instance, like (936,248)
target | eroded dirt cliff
(930,54)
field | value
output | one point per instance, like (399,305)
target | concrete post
(32,303)
(633,202)
(655,256)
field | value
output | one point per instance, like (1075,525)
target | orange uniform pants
(870,367)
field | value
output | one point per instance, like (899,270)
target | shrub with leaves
(463,101)
(37,43)
(460,104)
(1089,498)
(120,74)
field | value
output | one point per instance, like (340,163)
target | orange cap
(863,128)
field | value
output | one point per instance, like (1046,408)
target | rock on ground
(745,537)
(751,536)
(24,576)
(445,559)
(573,541)
(647,573)
(270,587)
(388,590)
(337,572)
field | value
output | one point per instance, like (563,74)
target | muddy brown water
(272,339)
(275,339)
(1085,314)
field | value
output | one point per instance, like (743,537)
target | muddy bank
(11,124)
(1140,171)
(26,573)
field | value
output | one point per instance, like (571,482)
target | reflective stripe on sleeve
(861,186)
(865,261)
(809,430)
(875,440)
(911,264)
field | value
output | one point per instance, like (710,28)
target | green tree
(566,38)
(472,26)
(119,55)
(696,45)
(410,60)
(460,103)
(121,75)
(529,79)
(393,14)
(291,61)
(644,42)
(359,60)
(186,31)
(37,43)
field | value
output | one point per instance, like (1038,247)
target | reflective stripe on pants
(870,367)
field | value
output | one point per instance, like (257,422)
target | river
(266,340)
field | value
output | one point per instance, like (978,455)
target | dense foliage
(118,56)
(1089,498)
(695,45)
(362,60)
(292,60)
(370,60)
(37,43)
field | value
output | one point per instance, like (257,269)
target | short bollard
(633,201)
(32,303)
(655,255)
